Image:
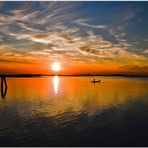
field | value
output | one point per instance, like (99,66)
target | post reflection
(56,84)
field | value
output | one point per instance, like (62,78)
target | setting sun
(56,66)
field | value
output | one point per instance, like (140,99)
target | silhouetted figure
(3,87)
(95,81)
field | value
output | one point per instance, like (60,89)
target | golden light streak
(56,84)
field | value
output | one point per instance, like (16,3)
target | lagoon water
(72,111)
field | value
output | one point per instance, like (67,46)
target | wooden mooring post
(3,87)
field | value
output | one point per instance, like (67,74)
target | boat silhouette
(96,81)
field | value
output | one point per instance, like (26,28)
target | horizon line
(39,75)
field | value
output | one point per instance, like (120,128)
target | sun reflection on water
(56,83)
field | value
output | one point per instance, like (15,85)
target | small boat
(96,81)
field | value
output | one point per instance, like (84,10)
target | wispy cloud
(137,68)
(86,24)
(145,51)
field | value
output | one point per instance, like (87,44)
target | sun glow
(56,83)
(56,66)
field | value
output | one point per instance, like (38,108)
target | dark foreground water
(71,111)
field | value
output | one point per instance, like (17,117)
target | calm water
(71,111)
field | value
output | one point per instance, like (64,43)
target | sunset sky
(80,37)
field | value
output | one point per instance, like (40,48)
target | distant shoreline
(87,75)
